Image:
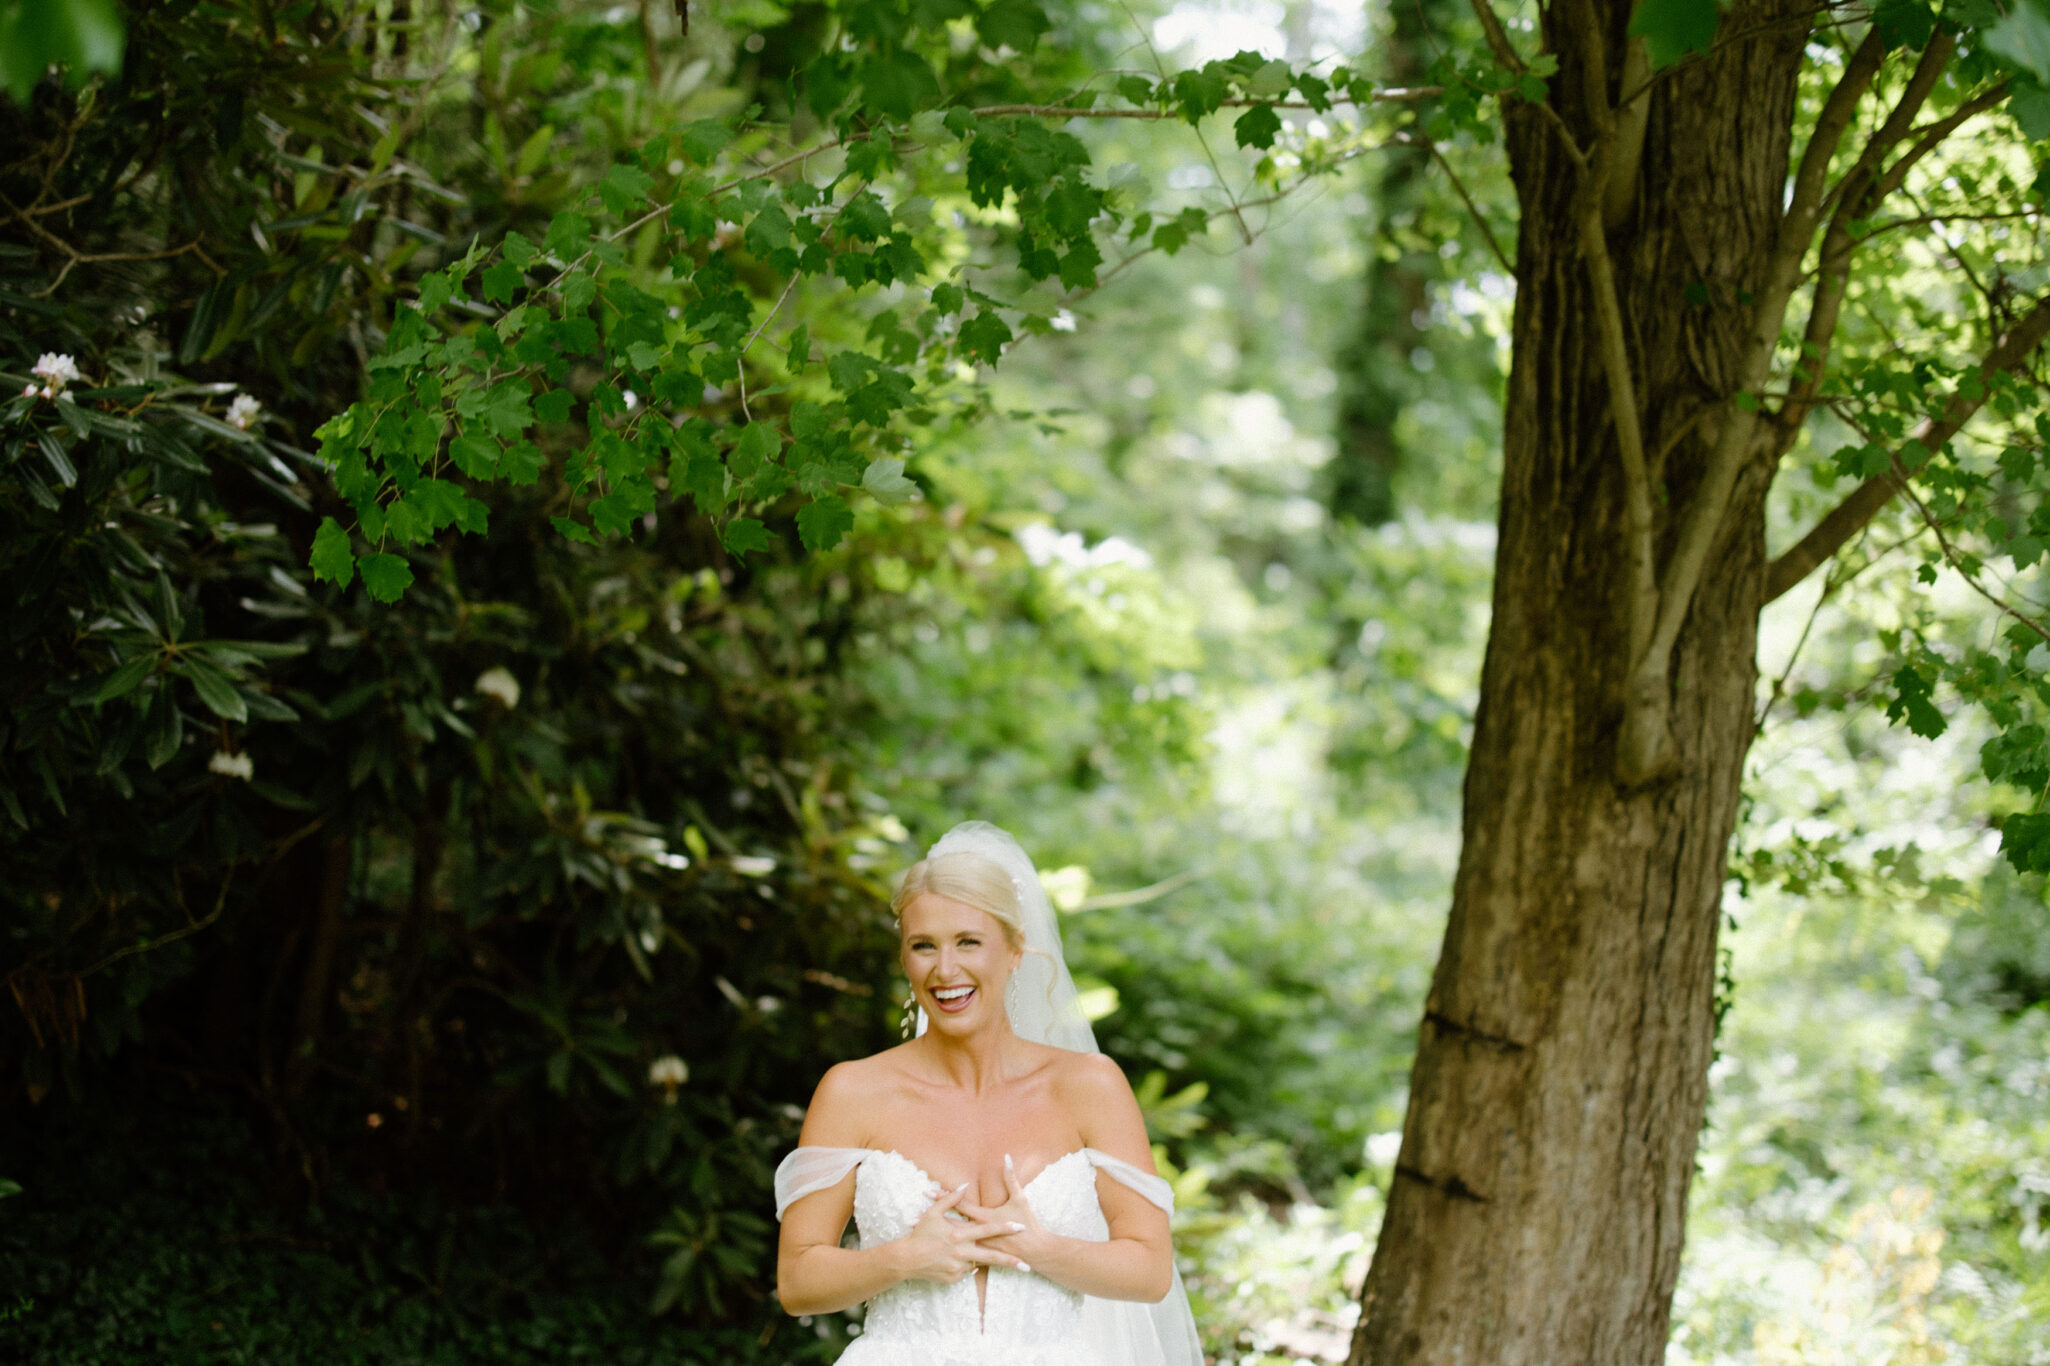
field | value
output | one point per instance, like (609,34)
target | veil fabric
(1044,1007)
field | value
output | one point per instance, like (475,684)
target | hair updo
(970,879)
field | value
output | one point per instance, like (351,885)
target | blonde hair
(970,879)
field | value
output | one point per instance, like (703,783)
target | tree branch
(1863,503)
(1498,41)
(1633,115)
(1854,196)
(1645,744)
(1394,94)
(1798,223)
(1644,747)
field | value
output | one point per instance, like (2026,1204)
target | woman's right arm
(815,1275)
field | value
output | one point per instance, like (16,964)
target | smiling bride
(1008,1210)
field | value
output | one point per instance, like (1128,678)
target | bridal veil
(1044,1007)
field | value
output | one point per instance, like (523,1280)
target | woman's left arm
(1137,1262)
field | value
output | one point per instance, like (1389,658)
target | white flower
(28,391)
(499,683)
(631,399)
(747,865)
(1063,321)
(56,370)
(232,765)
(668,1072)
(243,411)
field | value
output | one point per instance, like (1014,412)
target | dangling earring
(1011,997)
(909,1021)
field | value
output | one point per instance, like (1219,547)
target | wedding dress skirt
(1022,1319)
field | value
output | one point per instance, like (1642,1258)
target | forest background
(347,944)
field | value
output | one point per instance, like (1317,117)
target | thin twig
(1952,558)
(1479,220)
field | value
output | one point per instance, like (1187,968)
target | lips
(953,1000)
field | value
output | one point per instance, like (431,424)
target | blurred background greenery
(348,947)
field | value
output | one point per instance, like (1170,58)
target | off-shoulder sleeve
(809,1170)
(1154,1188)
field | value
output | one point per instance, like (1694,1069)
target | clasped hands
(945,1250)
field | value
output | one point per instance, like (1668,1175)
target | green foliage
(470,869)
(152,1240)
(638,317)
(83,37)
(1671,29)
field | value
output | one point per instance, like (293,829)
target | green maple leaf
(865,218)
(387,576)
(568,235)
(475,456)
(509,407)
(2025,839)
(625,188)
(701,141)
(1072,205)
(982,337)
(744,534)
(896,83)
(521,463)
(886,483)
(759,443)
(332,559)
(1912,704)
(501,280)
(1200,92)
(2023,38)
(823,521)
(703,477)
(1015,24)
(555,405)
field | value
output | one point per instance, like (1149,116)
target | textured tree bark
(1539,1201)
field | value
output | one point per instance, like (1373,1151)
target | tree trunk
(1539,1201)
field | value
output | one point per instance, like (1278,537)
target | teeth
(952,993)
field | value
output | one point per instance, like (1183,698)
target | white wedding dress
(1023,1319)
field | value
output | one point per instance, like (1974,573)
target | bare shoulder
(847,1096)
(1094,1090)
(1089,1076)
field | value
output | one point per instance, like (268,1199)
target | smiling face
(959,961)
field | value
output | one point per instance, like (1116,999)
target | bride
(1008,1209)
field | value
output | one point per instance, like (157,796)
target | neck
(974,1062)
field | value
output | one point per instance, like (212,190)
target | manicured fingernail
(1007,1161)
(1017,1228)
(962,1187)
(1023,1267)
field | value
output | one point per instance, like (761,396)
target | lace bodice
(1022,1319)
